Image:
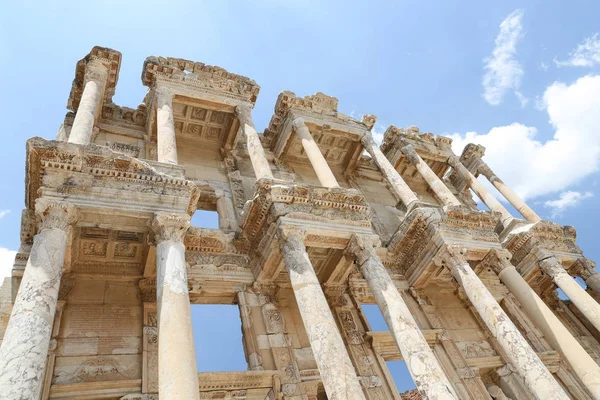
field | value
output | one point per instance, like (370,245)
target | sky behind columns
(521,78)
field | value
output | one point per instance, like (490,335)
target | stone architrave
(554,331)
(399,187)
(484,194)
(435,183)
(314,154)
(177,371)
(520,354)
(336,370)
(83,125)
(508,194)
(27,338)
(582,300)
(165,127)
(259,161)
(420,360)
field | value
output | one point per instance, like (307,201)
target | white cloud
(502,71)
(586,54)
(566,200)
(543,66)
(535,168)
(3,213)
(7,259)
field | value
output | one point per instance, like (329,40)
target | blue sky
(527,89)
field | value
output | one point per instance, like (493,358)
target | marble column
(422,364)
(83,124)
(399,187)
(165,127)
(259,161)
(586,269)
(508,194)
(435,183)
(251,346)
(484,194)
(554,331)
(177,370)
(518,351)
(27,338)
(582,300)
(314,154)
(337,372)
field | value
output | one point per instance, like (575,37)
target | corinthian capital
(411,154)
(168,226)
(291,234)
(243,112)
(364,247)
(367,140)
(498,260)
(451,256)
(584,267)
(298,123)
(454,161)
(55,214)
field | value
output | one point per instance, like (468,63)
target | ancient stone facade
(315,220)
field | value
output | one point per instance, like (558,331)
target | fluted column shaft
(336,370)
(508,193)
(435,183)
(177,370)
(399,187)
(584,302)
(27,338)
(554,331)
(318,162)
(83,124)
(165,127)
(480,190)
(420,360)
(259,161)
(518,351)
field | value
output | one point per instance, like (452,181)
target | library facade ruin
(315,220)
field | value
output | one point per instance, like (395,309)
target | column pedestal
(584,302)
(83,124)
(314,154)
(177,370)
(520,354)
(26,341)
(435,183)
(420,360)
(399,188)
(337,372)
(554,331)
(259,161)
(165,127)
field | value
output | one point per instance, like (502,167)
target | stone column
(314,154)
(519,353)
(582,300)
(508,194)
(337,372)
(83,124)
(480,190)
(435,183)
(165,127)
(554,331)
(400,189)
(586,269)
(420,360)
(177,370)
(259,161)
(27,337)
(251,346)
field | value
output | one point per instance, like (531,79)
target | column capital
(289,233)
(451,256)
(498,260)
(364,247)
(55,214)
(163,91)
(298,123)
(411,154)
(454,161)
(367,140)
(167,226)
(584,267)
(486,171)
(95,71)
(551,266)
(244,113)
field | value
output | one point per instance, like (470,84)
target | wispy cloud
(586,54)
(3,213)
(543,66)
(566,200)
(502,71)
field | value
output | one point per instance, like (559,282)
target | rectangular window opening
(205,219)
(218,338)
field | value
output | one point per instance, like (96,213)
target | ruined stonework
(315,220)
